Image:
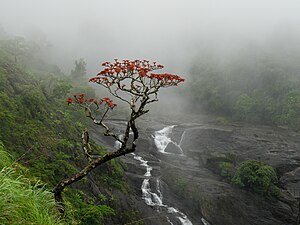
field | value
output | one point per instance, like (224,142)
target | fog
(168,31)
(175,33)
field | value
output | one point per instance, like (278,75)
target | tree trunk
(58,189)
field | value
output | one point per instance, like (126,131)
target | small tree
(258,177)
(79,70)
(131,82)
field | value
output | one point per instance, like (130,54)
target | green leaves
(256,176)
(22,200)
(257,88)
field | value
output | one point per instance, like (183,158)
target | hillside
(43,134)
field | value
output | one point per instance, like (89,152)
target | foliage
(113,176)
(21,200)
(42,132)
(258,85)
(18,46)
(180,185)
(79,70)
(227,169)
(222,165)
(86,211)
(256,176)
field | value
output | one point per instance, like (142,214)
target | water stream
(162,139)
(153,195)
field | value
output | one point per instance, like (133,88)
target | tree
(131,82)
(80,69)
(18,47)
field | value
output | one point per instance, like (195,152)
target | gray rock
(172,148)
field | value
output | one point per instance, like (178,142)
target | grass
(21,200)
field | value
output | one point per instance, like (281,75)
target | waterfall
(204,221)
(182,137)
(152,198)
(117,143)
(162,139)
(155,197)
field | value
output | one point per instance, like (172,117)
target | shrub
(227,169)
(222,165)
(258,177)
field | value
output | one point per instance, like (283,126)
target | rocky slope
(189,184)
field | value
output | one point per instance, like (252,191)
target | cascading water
(204,221)
(117,143)
(155,198)
(162,139)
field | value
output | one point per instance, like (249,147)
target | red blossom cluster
(166,78)
(107,102)
(115,72)
(127,66)
(80,99)
(132,77)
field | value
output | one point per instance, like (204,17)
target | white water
(185,221)
(152,198)
(204,221)
(117,143)
(182,137)
(162,139)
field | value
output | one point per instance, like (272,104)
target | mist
(170,32)
(178,34)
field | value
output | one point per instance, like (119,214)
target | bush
(258,177)
(227,169)
(85,209)
(222,165)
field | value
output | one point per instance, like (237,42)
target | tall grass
(22,202)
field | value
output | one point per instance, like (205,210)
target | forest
(259,84)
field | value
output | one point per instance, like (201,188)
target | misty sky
(167,31)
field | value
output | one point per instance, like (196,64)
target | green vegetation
(223,165)
(252,175)
(258,85)
(258,177)
(85,211)
(79,70)
(43,134)
(22,200)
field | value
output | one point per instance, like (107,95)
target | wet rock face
(205,140)
(220,202)
(172,148)
(188,184)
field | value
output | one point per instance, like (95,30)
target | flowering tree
(131,82)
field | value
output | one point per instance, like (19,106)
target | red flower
(94,79)
(117,70)
(69,100)
(131,66)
